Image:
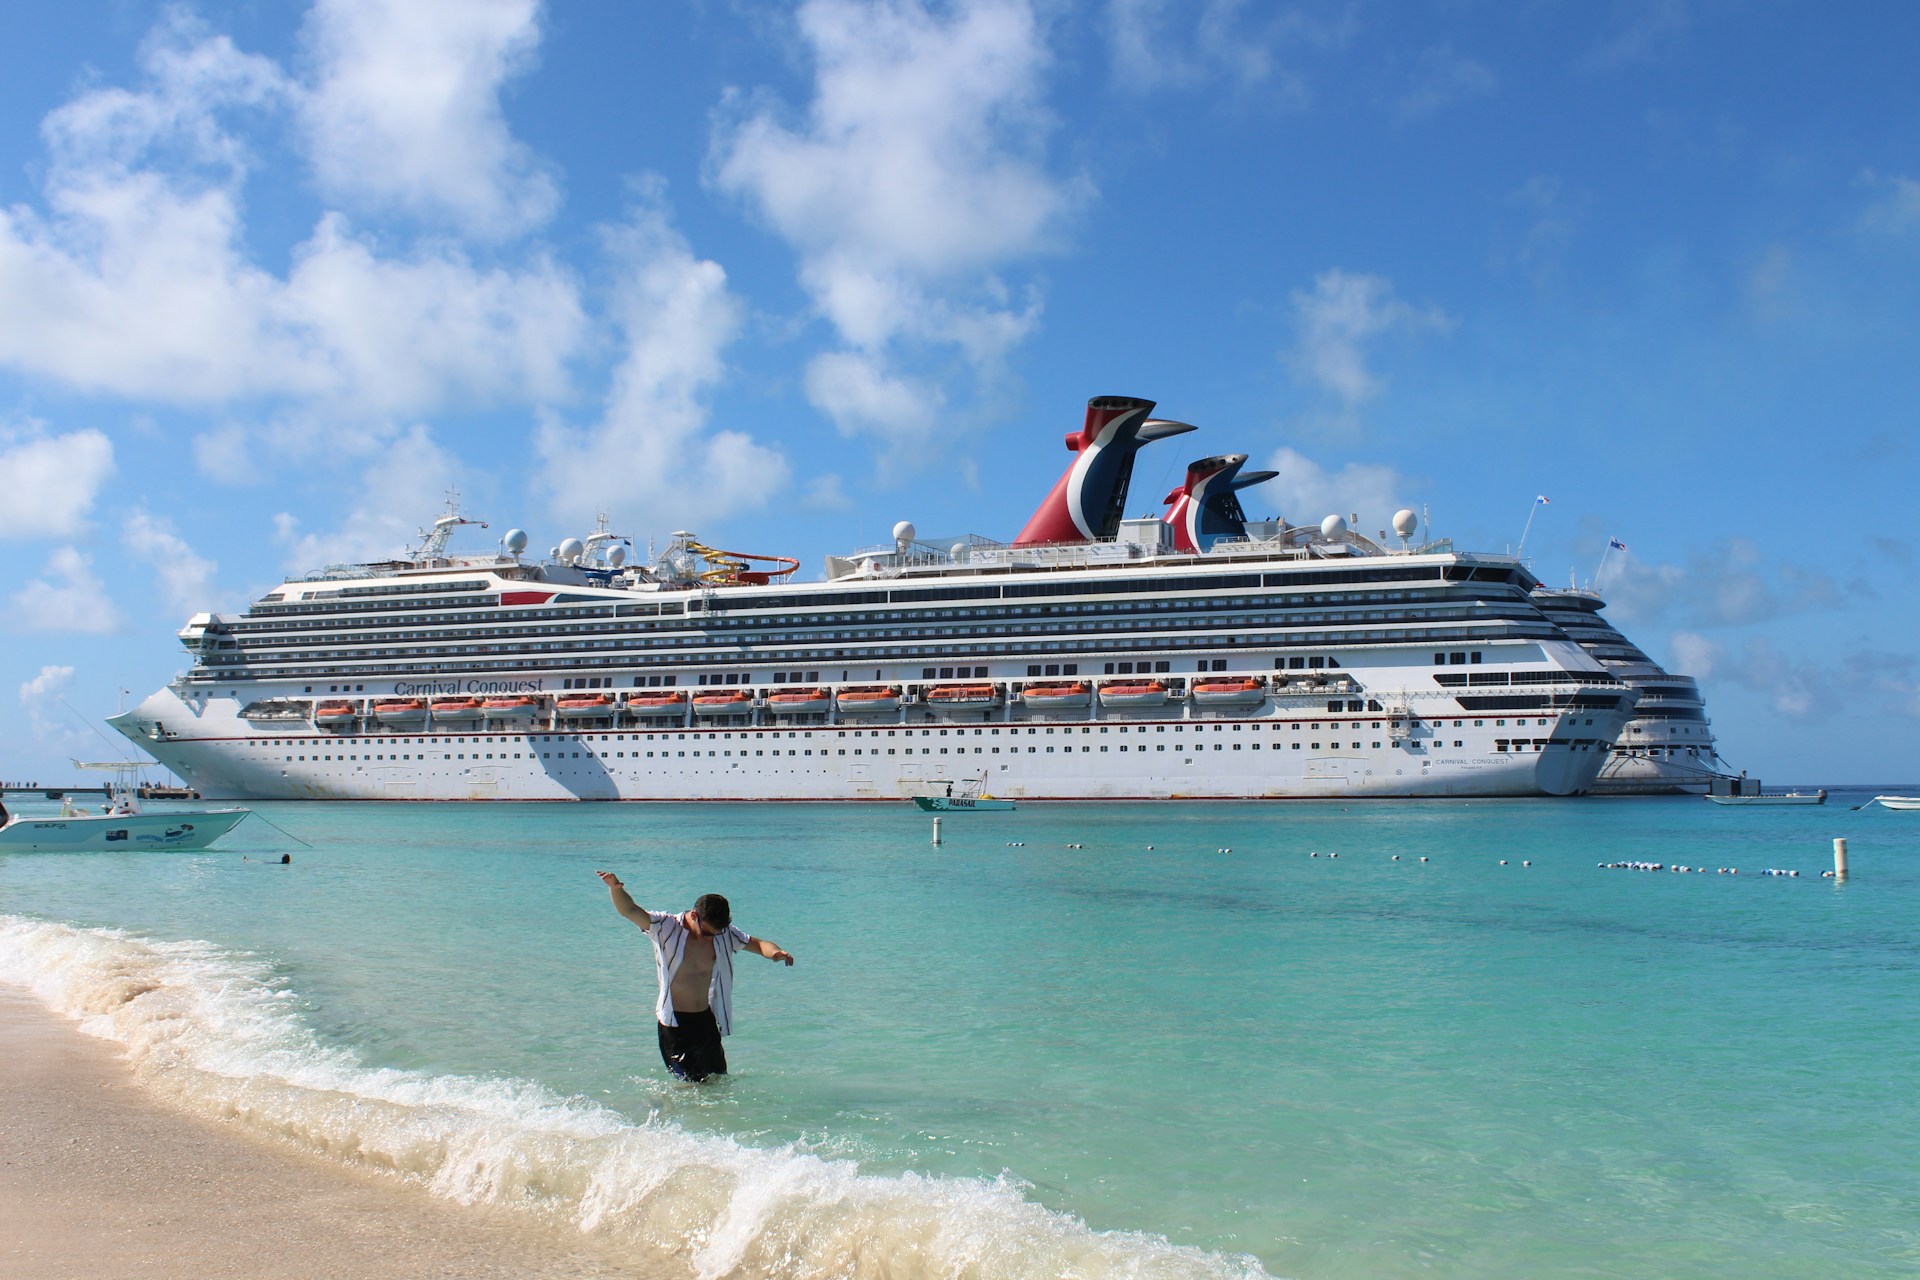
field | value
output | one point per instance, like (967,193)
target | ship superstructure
(1106,661)
(1668,746)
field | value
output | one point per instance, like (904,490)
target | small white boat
(1057,697)
(451,709)
(400,711)
(588,706)
(1895,802)
(799,702)
(1133,693)
(509,709)
(968,796)
(1777,797)
(123,826)
(656,704)
(334,715)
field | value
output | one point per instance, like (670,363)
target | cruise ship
(1189,654)
(1668,746)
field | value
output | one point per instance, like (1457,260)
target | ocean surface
(1143,1040)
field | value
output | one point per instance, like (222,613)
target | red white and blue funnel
(1088,501)
(1205,508)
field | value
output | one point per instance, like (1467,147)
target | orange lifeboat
(455,708)
(964,697)
(400,711)
(1057,697)
(798,702)
(585,706)
(658,702)
(1238,692)
(333,715)
(873,699)
(512,707)
(1133,693)
(732,702)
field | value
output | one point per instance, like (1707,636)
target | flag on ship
(1542,499)
(1616,544)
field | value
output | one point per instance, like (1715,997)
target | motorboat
(867,700)
(334,715)
(123,826)
(964,697)
(965,796)
(799,702)
(1133,693)
(400,711)
(1057,697)
(456,708)
(1895,802)
(1242,692)
(657,703)
(731,702)
(585,706)
(1776,797)
(510,708)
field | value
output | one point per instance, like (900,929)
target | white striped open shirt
(670,938)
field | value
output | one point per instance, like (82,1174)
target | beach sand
(97,1178)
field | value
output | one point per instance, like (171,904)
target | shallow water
(1150,1039)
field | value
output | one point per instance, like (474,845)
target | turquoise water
(1148,1039)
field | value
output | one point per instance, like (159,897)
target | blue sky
(273,279)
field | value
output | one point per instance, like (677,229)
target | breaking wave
(205,1027)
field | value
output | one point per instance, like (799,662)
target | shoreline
(97,1177)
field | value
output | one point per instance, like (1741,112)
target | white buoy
(936,831)
(1839,857)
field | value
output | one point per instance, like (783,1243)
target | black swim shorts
(692,1050)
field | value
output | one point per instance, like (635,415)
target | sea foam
(209,1029)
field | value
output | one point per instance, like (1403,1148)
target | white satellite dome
(1405,522)
(1333,526)
(516,541)
(616,555)
(905,532)
(571,549)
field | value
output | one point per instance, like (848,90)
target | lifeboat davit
(333,715)
(657,703)
(585,706)
(965,697)
(866,700)
(400,711)
(731,703)
(1133,693)
(1057,697)
(1242,692)
(512,707)
(456,708)
(799,702)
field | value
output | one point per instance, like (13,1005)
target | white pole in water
(936,831)
(1839,858)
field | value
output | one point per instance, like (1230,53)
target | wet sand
(98,1178)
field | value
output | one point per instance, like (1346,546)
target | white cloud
(1896,206)
(1734,583)
(41,697)
(651,456)
(918,172)
(1441,78)
(394,495)
(1694,655)
(67,597)
(1306,492)
(404,113)
(187,578)
(1336,323)
(51,482)
(825,493)
(1164,44)
(138,280)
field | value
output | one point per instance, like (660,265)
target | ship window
(1439,659)
(1475,657)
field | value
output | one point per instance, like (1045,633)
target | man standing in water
(694,952)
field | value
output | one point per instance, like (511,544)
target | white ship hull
(1277,756)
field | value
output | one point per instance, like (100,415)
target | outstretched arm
(771,950)
(623,902)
